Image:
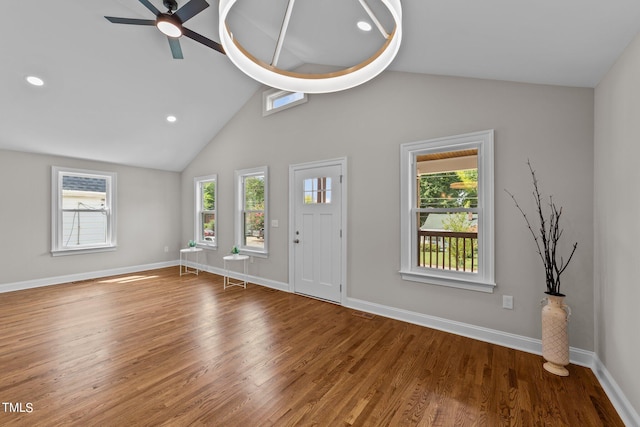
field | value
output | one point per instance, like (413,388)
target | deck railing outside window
(448,250)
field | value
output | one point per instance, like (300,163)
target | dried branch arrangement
(547,236)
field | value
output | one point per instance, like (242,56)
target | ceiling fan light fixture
(169,25)
(271,75)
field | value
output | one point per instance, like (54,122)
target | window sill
(213,247)
(80,251)
(257,254)
(449,281)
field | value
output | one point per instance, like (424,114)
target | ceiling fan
(170,23)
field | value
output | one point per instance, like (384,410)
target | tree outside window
(251,214)
(447,211)
(206,210)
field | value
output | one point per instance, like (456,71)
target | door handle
(296,241)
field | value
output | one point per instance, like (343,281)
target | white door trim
(301,166)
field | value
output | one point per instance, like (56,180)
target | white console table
(232,258)
(184,268)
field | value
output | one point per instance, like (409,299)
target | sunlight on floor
(128,279)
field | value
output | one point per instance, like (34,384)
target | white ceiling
(109,86)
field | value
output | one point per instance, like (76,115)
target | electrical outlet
(166,248)
(507,302)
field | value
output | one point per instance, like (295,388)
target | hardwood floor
(157,349)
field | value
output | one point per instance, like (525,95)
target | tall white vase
(555,337)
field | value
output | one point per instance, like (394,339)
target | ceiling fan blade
(176,50)
(132,21)
(191,9)
(202,39)
(151,7)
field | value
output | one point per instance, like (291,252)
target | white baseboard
(48,281)
(274,284)
(518,342)
(505,339)
(629,415)
(577,356)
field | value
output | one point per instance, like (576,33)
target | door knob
(296,241)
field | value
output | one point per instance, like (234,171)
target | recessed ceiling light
(36,81)
(171,119)
(364,25)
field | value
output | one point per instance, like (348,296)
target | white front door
(317,230)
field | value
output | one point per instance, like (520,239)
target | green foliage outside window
(454,189)
(460,222)
(449,189)
(254,201)
(209,196)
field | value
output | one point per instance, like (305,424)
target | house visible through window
(447,210)
(83,211)
(251,210)
(447,219)
(206,210)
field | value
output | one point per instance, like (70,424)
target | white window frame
(240,176)
(199,211)
(271,96)
(57,239)
(483,280)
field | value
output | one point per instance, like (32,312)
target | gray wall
(617,224)
(553,126)
(148,218)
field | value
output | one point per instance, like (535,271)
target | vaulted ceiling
(109,87)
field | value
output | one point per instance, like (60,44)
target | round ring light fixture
(271,75)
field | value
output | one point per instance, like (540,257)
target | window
(206,210)
(447,211)
(83,211)
(317,191)
(274,100)
(251,210)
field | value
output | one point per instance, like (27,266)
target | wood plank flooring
(156,349)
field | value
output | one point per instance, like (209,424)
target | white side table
(231,258)
(184,268)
